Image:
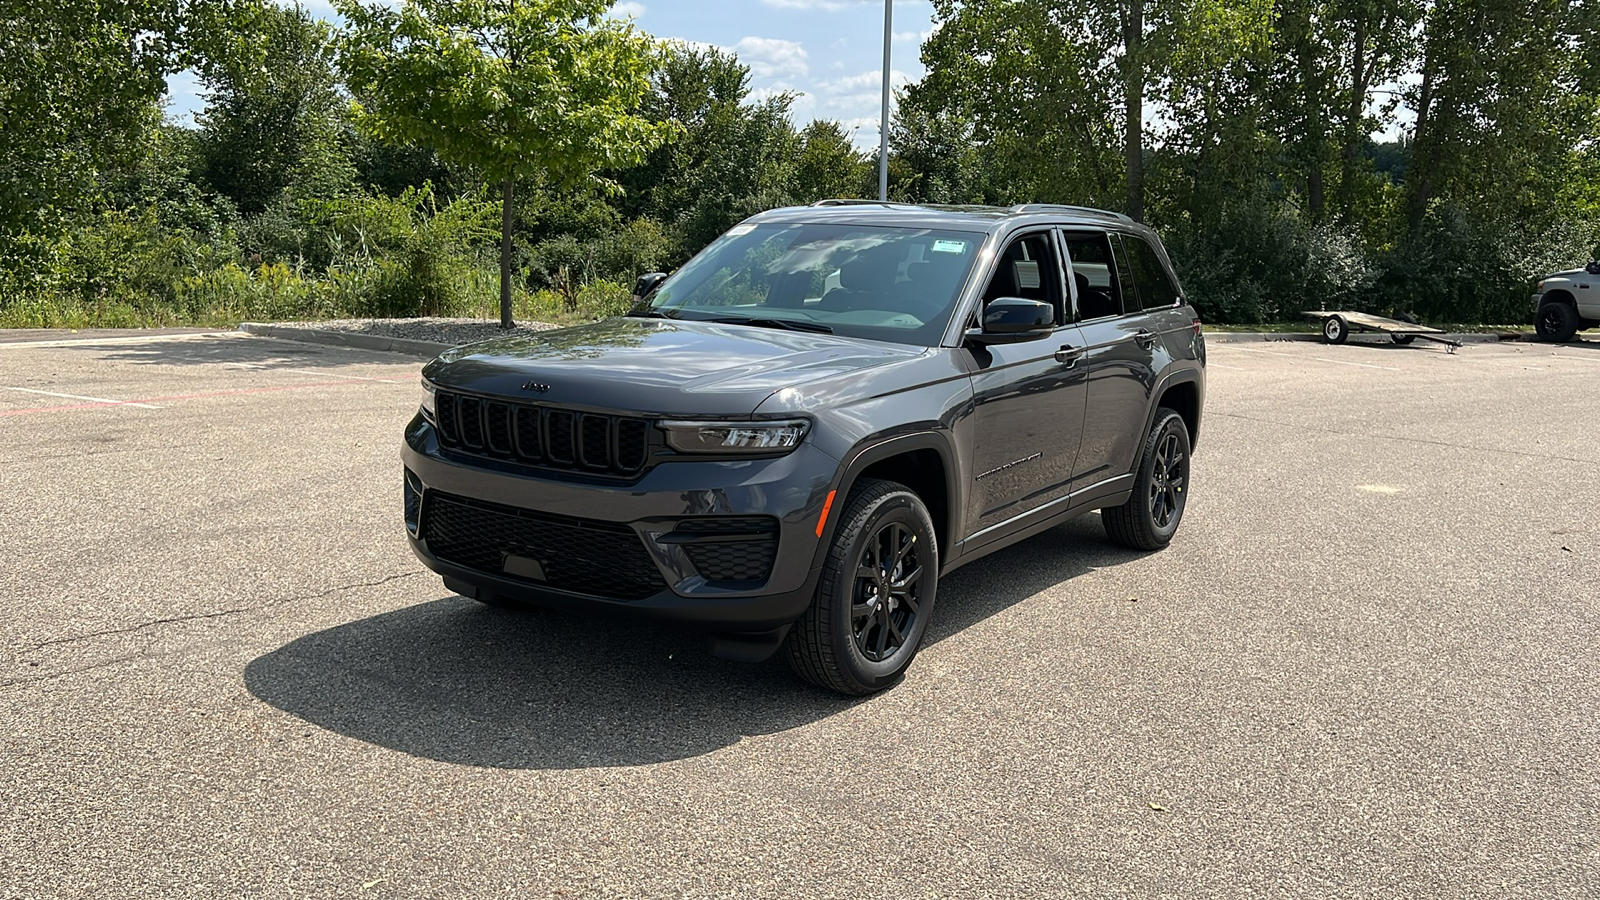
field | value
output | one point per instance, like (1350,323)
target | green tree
(1054,89)
(730,157)
(933,156)
(828,164)
(544,88)
(79,85)
(273,121)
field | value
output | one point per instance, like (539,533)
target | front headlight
(774,437)
(427,400)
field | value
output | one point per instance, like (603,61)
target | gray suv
(789,440)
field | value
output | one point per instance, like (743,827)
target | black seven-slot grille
(602,559)
(729,549)
(542,435)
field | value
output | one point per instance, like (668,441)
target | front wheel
(877,590)
(1335,330)
(1160,489)
(1557,322)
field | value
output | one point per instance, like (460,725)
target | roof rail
(1062,207)
(856,202)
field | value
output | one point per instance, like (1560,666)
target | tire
(1160,489)
(1403,339)
(1556,322)
(1335,330)
(844,641)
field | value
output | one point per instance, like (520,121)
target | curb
(408,346)
(1248,337)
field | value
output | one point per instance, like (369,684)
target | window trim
(1165,264)
(1113,245)
(1063,283)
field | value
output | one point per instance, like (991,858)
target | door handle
(1145,338)
(1069,354)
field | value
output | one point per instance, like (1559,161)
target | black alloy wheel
(1168,478)
(887,593)
(1153,511)
(879,580)
(1557,322)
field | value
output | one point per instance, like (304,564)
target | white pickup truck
(1567,301)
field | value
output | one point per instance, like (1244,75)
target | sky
(829,52)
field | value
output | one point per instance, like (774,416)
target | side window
(1094,274)
(1028,269)
(1155,286)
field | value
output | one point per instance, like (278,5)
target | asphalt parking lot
(1366,668)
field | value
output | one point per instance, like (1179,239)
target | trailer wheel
(1335,330)
(1404,339)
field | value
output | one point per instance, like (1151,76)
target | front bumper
(790,489)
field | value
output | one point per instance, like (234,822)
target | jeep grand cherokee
(788,441)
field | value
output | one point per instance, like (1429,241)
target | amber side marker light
(823,519)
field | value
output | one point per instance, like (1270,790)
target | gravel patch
(440,330)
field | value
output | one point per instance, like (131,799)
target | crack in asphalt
(173,620)
(1406,440)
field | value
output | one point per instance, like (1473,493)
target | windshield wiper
(649,314)
(784,324)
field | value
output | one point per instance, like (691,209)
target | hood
(656,366)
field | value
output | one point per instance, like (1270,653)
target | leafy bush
(1458,267)
(1259,261)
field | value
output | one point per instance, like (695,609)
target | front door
(1029,397)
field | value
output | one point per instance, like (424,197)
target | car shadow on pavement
(459,682)
(240,350)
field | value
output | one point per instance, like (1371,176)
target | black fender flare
(1172,377)
(875,450)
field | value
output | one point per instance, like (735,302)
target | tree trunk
(1133,93)
(1360,83)
(1419,178)
(505,255)
(1314,139)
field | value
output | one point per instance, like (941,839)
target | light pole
(883,119)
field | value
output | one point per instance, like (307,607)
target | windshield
(887,284)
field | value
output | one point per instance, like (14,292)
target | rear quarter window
(1149,275)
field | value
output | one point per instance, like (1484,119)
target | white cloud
(872,78)
(772,57)
(628,8)
(912,37)
(827,5)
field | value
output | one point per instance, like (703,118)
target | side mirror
(1012,320)
(644,284)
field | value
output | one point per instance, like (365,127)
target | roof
(971,217)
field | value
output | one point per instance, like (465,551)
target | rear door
(1123,351)
(1029,398)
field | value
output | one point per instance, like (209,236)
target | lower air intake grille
(729,549)
(601,559)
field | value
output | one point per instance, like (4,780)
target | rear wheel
(1335,330)
(1160,489)
(1556,322)
(877,590)
(1403,339)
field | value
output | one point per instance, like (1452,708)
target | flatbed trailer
(1338,323)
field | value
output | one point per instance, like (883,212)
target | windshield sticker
(739,230)
(949,246)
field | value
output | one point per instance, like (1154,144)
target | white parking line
(141,339)
(1339,362)
(80,397)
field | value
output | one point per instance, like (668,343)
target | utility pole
(883,120)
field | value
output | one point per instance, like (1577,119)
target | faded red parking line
(262,390)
